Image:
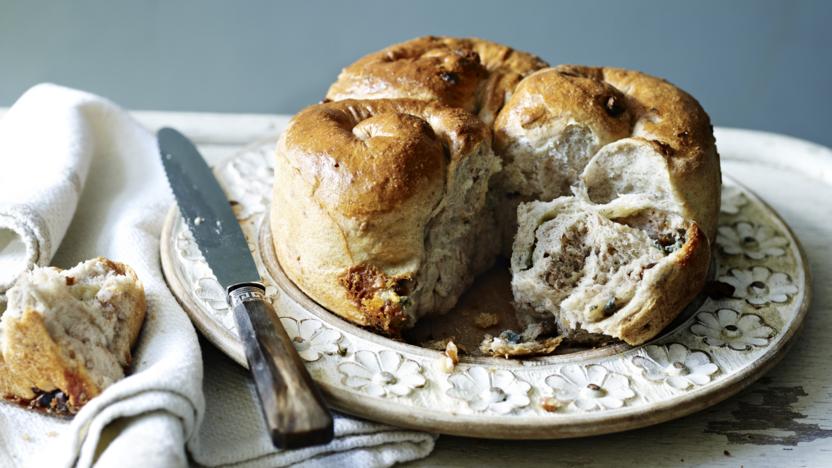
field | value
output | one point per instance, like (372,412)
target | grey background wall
(756,64)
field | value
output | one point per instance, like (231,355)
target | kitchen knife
(292,405)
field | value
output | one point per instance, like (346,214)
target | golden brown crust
(356,184)
(34,361)
(675,123)
(374,155)
(474,74)
(615,104)
(671,289)
(561,93)
(135,320)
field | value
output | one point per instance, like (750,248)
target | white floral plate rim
(716,352)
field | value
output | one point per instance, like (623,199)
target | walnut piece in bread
(67,334)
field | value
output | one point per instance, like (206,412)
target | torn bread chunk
(67,334)
(609,133)
(623,271)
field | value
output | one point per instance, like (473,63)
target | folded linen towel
(40,180)
(65,142)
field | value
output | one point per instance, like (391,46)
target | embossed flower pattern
(572,387)
(732,199)
(760,285)
(248,183)
(384,374)
(209,291)
(590,388)
(498,391)
(675,365)
(755,242)
(312,339)
(727,327)
(186,246)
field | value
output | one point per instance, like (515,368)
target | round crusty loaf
(377,204)
(384,209)
(474,74)
(630,249)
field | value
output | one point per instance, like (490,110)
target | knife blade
(292,405)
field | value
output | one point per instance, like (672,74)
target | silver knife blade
(206,210)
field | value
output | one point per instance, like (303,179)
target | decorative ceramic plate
(715,349)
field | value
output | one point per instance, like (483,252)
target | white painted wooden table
(785,419)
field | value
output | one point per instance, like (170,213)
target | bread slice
(67,334)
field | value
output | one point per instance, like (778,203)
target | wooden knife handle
(292,405)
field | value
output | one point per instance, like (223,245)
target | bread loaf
(603,187)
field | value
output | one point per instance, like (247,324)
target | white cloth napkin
(54,144)
(38,196)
